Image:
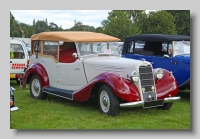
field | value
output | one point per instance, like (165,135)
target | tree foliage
(119,24)
(182,21)
(157,22)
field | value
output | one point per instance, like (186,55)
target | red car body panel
(167,86)
(120,86)
(38,69)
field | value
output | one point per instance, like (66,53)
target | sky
(64,18)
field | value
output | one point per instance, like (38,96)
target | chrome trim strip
(58,95)
(171,99)
(132,104)
(141,103)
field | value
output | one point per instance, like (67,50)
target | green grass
(59,113)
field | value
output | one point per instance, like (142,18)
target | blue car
(171,52)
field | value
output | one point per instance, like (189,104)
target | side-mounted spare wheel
(36,88)
(108,101)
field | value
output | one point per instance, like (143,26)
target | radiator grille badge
(143,90)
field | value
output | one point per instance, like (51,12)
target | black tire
(166,106)
(36,88)
(108,101)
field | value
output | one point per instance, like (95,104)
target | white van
(19,58)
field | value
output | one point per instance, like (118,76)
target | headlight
(135,76)
(158,73)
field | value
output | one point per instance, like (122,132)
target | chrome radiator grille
(146,77)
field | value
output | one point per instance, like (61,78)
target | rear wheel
(108,101)
(166,106)
(36,88)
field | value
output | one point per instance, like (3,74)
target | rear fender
(121,87)
(38,69)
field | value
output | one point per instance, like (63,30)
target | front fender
(167,86)
(38,69)
(121,87)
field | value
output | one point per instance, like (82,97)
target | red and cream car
(78,65)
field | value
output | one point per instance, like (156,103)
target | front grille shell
(146,77)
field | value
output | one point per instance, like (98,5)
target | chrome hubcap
(104,101)
(35,87)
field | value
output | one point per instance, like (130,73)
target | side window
(66,51)
(50,48)
(164,46)
(130,47)
(16,51)
(139,45)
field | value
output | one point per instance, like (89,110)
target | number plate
(12,75)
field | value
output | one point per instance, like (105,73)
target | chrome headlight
(135,76)
(158,73)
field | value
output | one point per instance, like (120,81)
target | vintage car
(83,65)
(171,52)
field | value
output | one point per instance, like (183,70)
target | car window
(50,48)
(98,47)
(181,47)
(130,47)
(16,51)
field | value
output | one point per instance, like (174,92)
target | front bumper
(148,104)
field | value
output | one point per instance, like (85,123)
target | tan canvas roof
(73,36)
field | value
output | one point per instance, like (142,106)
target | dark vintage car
(171,52)
(80,65)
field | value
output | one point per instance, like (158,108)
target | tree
(157,22)
(135,15)
(119,24)
(99,30)
(53,26)
(40,26)
(182,21)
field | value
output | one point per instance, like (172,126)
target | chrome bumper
(141,103)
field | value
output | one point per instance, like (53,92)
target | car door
(71,75)
(163,62)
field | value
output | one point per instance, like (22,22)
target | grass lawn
(59,113)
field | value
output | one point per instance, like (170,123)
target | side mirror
(74,55)
(166,56)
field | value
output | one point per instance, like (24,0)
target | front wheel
(36,88)
(108,101)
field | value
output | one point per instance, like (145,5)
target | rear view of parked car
(171,52)
(19,59)
(79,65)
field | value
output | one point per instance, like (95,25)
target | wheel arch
(39,70)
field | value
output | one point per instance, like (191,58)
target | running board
(68,94)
